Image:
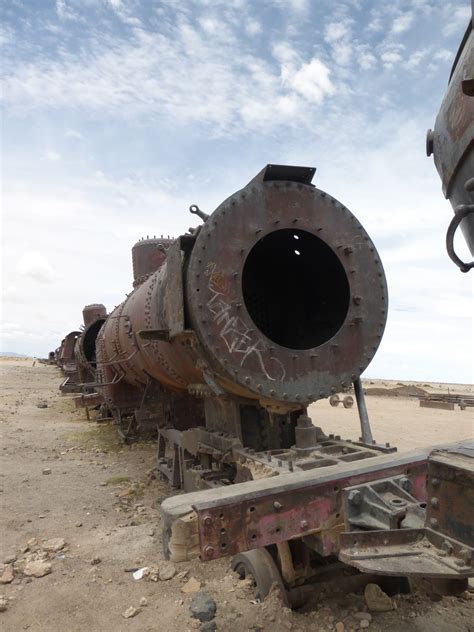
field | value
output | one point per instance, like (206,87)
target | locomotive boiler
(278,299)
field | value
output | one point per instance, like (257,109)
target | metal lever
(195,210)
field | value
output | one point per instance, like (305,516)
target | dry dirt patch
(93,516)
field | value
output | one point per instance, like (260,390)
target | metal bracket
(383,504)
(289,172)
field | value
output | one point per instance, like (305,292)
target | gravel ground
(82,511)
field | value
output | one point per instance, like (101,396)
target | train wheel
(259,565)
(334,400)
(348,401)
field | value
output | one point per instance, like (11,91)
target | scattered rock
(42,405)
(144,601)
(152,575)
(191,586)
(95,561)
(364,624)
(376,599)
(167,571)
(78,524)
(3,603)
(209,626)
(340,626)
(7,575)
(54,545)
(361,616)
(203,607)
(37,568)
(130,612)
(10,559)
(47,470)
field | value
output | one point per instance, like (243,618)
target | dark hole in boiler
(90,337)
(295,289)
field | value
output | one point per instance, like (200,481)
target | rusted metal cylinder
(91,313)
(85,347)
(124,343)
(280,297)
(148,255)
(452,140)
(66,350)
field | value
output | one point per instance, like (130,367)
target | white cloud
(124,13)
(342,53)
(335,31)
(312,81)
(444,55)
(403,22)
(457,19)
(366,60)
(284,52)
(6,35)
(164,75)
(375,25)
(64,11)
(416,57)
(209,25)
(390,58)
(253,27)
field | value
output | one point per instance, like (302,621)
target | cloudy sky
(118,114)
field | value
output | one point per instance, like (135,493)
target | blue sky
(117,115)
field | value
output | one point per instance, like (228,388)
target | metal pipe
(363,415)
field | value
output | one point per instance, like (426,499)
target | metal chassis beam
(308,504)
(263,512)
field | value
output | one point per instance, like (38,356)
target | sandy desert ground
(62,477)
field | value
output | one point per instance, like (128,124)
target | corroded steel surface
(91,313)
(66,352)
(148,255)
(452,140)
(282,508)
(203,316)
(444,547)
(450,508)
(85,348)
(240,353)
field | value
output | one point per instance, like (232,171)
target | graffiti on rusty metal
(238,338)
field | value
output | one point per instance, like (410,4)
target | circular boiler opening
(295,289)
(90,336)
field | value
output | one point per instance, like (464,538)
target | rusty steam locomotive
(277,300)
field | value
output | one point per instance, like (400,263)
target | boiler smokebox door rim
(235,258)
